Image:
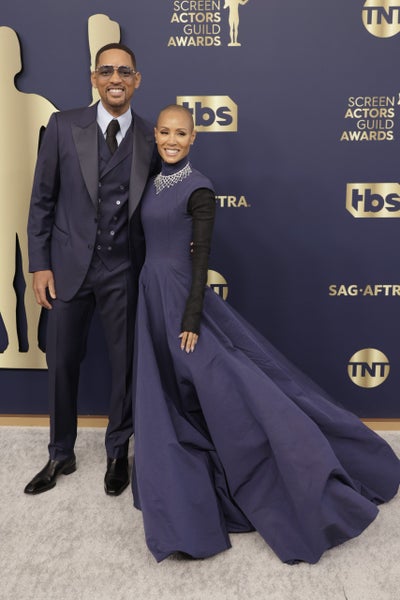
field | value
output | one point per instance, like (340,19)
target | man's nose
(116,76)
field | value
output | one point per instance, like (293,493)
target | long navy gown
(232,437)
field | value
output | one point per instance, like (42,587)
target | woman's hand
(188,340)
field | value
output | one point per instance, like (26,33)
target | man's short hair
(115,46)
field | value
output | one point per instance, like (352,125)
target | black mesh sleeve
(201,206)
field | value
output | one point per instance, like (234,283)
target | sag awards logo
(217,283)
(368,368)
(370,119)
(201,23)
(353,290)
(373,200)
(381,18)
(232,202)
(211,113)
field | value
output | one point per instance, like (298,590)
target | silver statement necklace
(166,181)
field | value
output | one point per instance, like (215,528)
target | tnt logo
(212,113)
(368,368)
(373,200)
(217,283)
(382,17)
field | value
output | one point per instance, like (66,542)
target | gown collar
(169,169)
(171,174)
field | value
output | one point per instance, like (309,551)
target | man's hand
(43,280)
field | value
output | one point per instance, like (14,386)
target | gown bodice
(166,222)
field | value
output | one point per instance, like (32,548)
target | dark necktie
(111,140)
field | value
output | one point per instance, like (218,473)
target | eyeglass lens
(108,70)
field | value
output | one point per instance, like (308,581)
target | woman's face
(174,135)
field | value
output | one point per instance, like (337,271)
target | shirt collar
(104,117)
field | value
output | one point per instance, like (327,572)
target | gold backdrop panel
(22,118)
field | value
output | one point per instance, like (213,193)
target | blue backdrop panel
(284,239)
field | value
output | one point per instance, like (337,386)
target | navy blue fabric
(114,295)
(112,240)
(110,284)
(83,207)
(232,437)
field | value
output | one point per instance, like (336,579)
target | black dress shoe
(117,476)
(46,478)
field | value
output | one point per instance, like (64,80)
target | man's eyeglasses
(123,71)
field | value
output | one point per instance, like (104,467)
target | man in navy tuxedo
(86,248)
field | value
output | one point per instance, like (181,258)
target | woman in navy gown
(231,437)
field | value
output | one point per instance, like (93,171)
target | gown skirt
(232,437)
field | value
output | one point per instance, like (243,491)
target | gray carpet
(76,543)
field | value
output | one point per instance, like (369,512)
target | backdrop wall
(297,105)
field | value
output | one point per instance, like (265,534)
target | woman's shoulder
(201,180)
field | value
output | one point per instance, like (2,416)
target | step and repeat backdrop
(297,105)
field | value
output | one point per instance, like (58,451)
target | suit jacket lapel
(143,144)
(85,138)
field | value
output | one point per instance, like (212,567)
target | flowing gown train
(232,437)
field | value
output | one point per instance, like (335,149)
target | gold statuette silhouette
(233,6)
(22,118)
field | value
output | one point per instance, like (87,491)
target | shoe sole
(68,470)
(117,493)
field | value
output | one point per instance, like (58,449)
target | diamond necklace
(166,181)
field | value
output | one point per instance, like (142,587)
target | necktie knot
(111,139)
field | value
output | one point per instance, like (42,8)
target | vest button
(98,247)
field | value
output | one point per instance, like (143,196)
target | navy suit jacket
(62,219)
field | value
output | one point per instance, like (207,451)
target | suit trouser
(114,295)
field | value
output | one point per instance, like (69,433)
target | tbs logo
(211,113)
(373,200)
